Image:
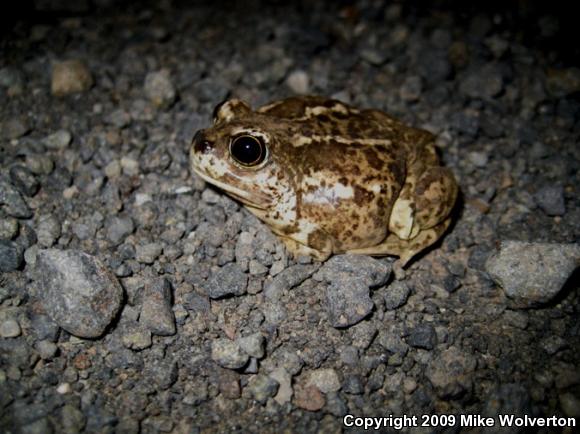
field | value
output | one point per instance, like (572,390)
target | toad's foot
(405,249)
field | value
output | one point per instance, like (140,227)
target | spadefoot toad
(329,178)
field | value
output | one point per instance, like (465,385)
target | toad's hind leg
(298,249)
(406,249)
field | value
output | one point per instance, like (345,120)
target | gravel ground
(135,298)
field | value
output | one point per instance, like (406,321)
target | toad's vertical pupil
(248,150)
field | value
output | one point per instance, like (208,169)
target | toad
(329,178)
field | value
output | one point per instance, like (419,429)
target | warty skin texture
(331,178)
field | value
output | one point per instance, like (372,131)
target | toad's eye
(248,151)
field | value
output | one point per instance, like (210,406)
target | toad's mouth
(251,199)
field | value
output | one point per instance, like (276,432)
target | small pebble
(58,140)
(284,380)
(24,180)
(64,389)
(130,166)
(262,387)
(136,338)
(423,336)
(156,313)
(228,280)
(148,253)
(309,398)
(11,256)
(12,202)
(46,349)
(411,88)
(70,76)
(550,199)
(253,345)
(478,159)
(299,82)
(326,380)
(228,354)
(348,301)
(48,231)
(8,228)
(13,128)
(396,295)
(10,329)
(160,89)
(119,228)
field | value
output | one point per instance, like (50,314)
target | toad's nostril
(200,143)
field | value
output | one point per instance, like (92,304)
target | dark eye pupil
(248,151)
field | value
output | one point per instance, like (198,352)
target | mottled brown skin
(335,179)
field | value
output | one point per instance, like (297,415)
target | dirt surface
(204,322)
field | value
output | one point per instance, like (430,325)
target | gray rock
(253,345)
(288,359)
(163,372)
(244,250)
(532,273)
(58,140)
(284,380)
(11,256)
(14,128)
(148,253)
(451,372)
(363,334)
(228,280)
(136,337)
(335,404)
(550,199)
(119,228)
(257,269)
(423,336)
(229,383)
(263,387)
(12,202)
(84,231)
(348,301)
(251,367)
(72,419)
(8,228)
(228,353)
(326,380)
(160,89)
(553,344)
(396,295)
(364,268)
(10,328)
(40,164)
(353,385)
(44,327)
(77,291)
(288,279)
(478,159)
(48,230)
(391,340)
(486,82)
(119,118)
(156,313)
(46,349)
(24,180)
